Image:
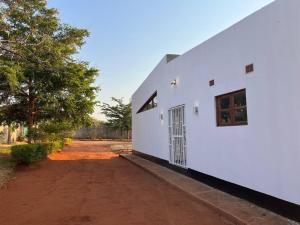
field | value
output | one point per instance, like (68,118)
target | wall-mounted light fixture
(161,116)
(173,83)
(196,109)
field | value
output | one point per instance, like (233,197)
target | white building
(11,135)
(230,107)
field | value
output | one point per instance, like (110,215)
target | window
(150,104)
(232,109)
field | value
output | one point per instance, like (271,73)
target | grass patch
(10,145)
(6,163)
(5,151)
(6,169)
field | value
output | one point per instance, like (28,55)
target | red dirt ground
(84,185)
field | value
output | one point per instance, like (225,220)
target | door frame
(182,141)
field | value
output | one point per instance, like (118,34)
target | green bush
(26,154)
(47,147)
(57,145)
(52,147)
(67,141)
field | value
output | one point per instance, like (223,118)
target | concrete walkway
(239,210)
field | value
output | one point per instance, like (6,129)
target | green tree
(49,131)
(40,80)
(118,115)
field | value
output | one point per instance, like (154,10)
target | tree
(49,131)
(40,80)
(118,115)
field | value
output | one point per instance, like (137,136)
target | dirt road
(86,185)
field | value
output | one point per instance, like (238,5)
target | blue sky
(129,37)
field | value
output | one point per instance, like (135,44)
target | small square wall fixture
(211,83)
(249,68)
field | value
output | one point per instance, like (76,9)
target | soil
(6,169)
(87,184)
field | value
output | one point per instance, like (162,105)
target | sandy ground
(86,185)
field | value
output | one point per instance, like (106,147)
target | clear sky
(129,37)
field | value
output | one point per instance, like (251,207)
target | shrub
(52,147)
(57,145)
(50,131)
(67,141)
(26,154)
(47,147)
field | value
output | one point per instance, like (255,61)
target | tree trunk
(9,134)
(30,111)
(30,127)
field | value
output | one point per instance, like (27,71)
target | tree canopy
(40,79)
(118,114)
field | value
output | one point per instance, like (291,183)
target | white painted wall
(263,156)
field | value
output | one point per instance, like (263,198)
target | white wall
(265,154)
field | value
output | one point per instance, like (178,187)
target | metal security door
(177,140)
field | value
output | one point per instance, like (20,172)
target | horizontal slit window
(150,103)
